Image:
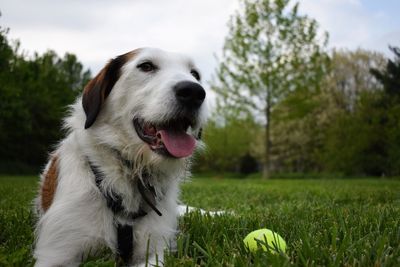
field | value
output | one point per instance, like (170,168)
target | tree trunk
(266,165)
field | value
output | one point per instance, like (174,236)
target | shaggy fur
(74,219)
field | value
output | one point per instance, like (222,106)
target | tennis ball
(265,239)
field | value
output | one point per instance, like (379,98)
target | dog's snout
(189,94)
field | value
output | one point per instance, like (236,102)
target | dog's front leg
(58,246)
(66,233)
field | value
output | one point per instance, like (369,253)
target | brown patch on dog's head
(97,90)
(49,185)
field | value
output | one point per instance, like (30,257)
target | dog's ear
(97,90)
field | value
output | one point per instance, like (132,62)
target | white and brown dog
(114,180)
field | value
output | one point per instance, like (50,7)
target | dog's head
(147,98)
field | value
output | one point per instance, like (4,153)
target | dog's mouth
(168,139)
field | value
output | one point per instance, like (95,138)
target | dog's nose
(189,94)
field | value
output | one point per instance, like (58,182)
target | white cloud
(343,19)
(351,25)
(98,30)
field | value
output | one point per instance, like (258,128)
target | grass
(324,222)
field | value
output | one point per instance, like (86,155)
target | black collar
(114,203)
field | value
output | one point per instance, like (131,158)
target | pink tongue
(178,144)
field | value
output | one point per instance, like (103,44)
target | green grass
(324,222)
(16,220)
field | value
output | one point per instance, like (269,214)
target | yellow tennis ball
(266,240)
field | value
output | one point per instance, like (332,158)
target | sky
(97,30)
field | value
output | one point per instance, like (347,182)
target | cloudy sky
(98,30)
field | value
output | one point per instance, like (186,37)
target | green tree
(355,142)
(390,77)
(298,132)
(34,94)
(305,126)
(390,104)
(271,51)
(228,140)
(350,76)
(362,137)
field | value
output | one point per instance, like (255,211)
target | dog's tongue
(178,144)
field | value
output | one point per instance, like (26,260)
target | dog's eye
(195,74)
(147,66)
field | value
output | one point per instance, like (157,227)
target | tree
(390,77)
(298,132)
(350,76)
(356,142)
(390,105)
(306,128)
(270,52)
(362,137)
(34,94)
(227,142)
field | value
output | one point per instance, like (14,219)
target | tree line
(285,102)
(350,126)
(34,94)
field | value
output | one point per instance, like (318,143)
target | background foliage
(325,111)
(313,111)
(271,53)
(351,126)
(34,95)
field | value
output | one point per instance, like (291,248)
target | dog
(113,181)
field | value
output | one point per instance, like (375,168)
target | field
(325,222)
